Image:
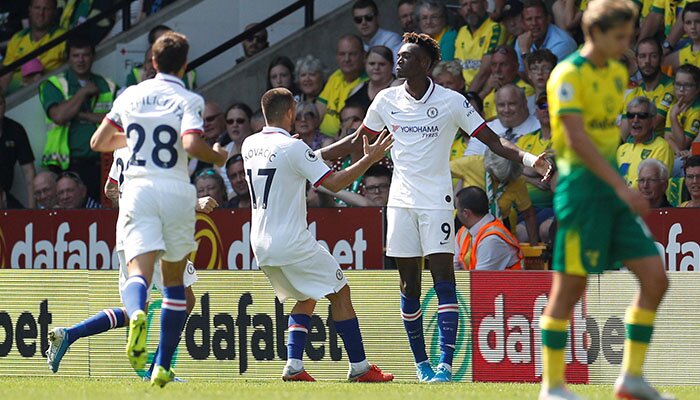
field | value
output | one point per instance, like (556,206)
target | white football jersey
(120,162)
(154,115)
(423,132)
(277,168)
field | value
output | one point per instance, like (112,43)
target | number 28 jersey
(277,168)
(154,115)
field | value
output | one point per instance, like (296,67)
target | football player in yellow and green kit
(599,223)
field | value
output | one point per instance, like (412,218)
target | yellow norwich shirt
(686,55)
(668,8)
(690,120)
(631,154)
(661,95)
(22,44)
(490,99)
(535,144)
(577,87)
(334,94)
(471,48)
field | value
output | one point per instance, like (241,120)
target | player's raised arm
(346,145)
(195,146)
(108,137)
(506,149)
(373,153)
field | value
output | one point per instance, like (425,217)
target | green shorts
(596,234)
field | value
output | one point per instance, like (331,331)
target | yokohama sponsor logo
(506,310)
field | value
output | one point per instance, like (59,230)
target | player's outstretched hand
(544,167)
(634,200)
(206,204)
(223,154)
(378,149)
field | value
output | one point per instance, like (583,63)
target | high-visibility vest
(469,248)
(56,150)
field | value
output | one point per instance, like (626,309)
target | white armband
(529,160)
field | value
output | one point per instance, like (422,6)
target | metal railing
(123,5)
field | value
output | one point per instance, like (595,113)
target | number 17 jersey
(277,168)
(154,115)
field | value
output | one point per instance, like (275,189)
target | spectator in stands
(310,78)
(541,34)
(351,117)
(449,74)
(257,121)
(379,67)
(236,176)
(659,21)
(238,116)
(504,70)
(15,149)
(280,73)
(41,30)
(683,121)
(135,15)
(692,181)
(655,85)
(540,64)
(690,53)
(432,20)
(540,193)
(45,193)
(75,102)
(376,182)
(306,126)
(316,198)
(214,131)
(643,143)
(512,20)
(209,183)
(11,15)
(72,193)
(32,71)
(513,118)
(253,45)
(406,12)
(567,14)
(76,12)
(350,58)
(483,242)
(145,71)
(365,14)
(476,42)
(652,182)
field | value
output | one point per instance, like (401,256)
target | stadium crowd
(499,60)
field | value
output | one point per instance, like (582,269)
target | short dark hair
(402,2)
(79,41)
(541,55)
(240,106)
(536,4)
(233,159)
(692,7)
(691,70)
(170,52)
(364,4)
(692,161)
(426,43)
(474,199)
(508,51)
(152,37)
(384,52)
(378,171)
(283,61)
(276,103)
(649,40)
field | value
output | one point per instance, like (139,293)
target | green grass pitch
(57,388)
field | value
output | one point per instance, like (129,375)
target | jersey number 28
(167,146)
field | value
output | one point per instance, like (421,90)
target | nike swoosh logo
(394,112)
(445,242)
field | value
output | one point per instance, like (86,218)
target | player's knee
(412,291)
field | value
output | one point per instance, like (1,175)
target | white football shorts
(313,278)
(157,216)
(415,232)
(189,276)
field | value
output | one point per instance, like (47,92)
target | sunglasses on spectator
(258,38)
(236,120)
(641,115)
(306,115)
(211,118)
(367,18)
(382,187)
(542,105)
(207,171)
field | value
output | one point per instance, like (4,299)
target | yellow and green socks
(639,325)
(554,332)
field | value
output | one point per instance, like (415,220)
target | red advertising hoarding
(84,239)
(677,233)
(506,309)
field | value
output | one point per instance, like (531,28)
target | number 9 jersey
(277,168)
(154,115)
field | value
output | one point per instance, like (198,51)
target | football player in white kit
(161,122)
(61,338)
(424,118)
(277,167)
